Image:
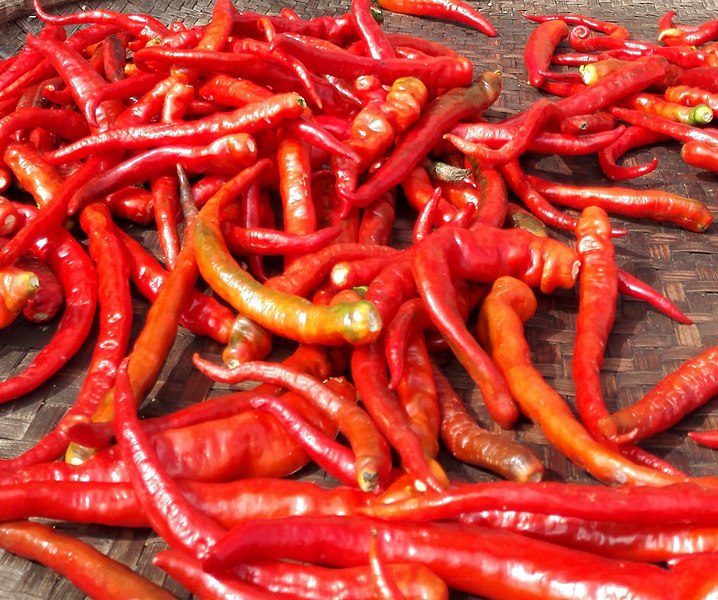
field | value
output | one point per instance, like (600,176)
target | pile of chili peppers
(272,156)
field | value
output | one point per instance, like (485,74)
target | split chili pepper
(701,155)
(657,205)
(540,47)
(372,452)
(285,314)
(470,443)
(501,331)
(675,396)
(632,137)
(254,117)
(441,114)
(324,57)
(451,10)
(88,569)
(475,255)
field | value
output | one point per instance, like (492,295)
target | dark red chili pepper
(88,569)
(250,119)
(701,155)
(114,56)
(451,10)
(675,396)
(324,57)
(658,205)
(632,137)
(470,443)
(541,46)
(441,114)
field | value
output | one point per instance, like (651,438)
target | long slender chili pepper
(592,123)
(501,330)
(277,311)
(470,443)
(88,569)
(370,31)
(540,47)
(451,10)
(254,117)
(439,115)
(612,29)
(655,104)
(372,452)
(632,137)
(675,396)
(468,559)
(672,129)
(657,205)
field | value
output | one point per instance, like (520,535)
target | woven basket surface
(644,345)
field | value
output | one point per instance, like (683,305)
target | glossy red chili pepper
(295,184)
(632,137)
(377,221)
(250,119)
(592,123)
(450,10)
(165,202)
(658,205)
(370,32)
(87,568)
(49,297)
(702,77)
(705,438)
(701,155)
(655,104)
(470,443)
(612,29)
(27,58)
(494,197)
(541,46)
(667,127)
(440,115)
(66,124)
(675,396)
(427,216)
(692,96)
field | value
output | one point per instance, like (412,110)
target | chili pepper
(592,123)
(68,260)
(493,206)
(225,154)
(188,571)
(377,221)
(16,289)
(672,129)
(427,216)
(277,311)
(247,341)
(692,96)
(467,559)
(370,31)
(701,77)
(337,29)
(470,443)
(372,455)
(441,114)
(654,104)
(88,569)
(122,89)
(612,29)
(141,26)
(689,36)
(657,205)
(295,185)
(27,58)
(705,438)
(635,288)
(243,241)
(632,78)
(676,395)
(9,217)
(533,120)
(336,459)
(501,331)
(453,10)
(386,587)
(165,201)
(250,119)
(350,274)
(324,57)
(114,56)
(67,124)
(541,46)
(701,155)
(169,512)
(633,137)
(598,293)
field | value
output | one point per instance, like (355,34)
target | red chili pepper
(692,96)
(667,127)
(705,438)
(377,221)
(66,124)
(451,10)
(370,32)
(654,104)
(591,123)
(612,29)
(701,155)
(540,47)
(632,137)
(88,569)
(702,77)
(657,205)
(635,288)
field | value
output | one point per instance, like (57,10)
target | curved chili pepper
(470,443)
(657,205)
(541,46)
(635,288)
(441,114)
(672,129)
(243,241)
(27,58)
(701,155)
(260,115)
(612,29)
(675,396)
(493,193)
(277,311)
(67,124)
(346,275)
(501,331)
(370,31)
(692,96)
(468,559)
(691,36)
(451,10)
(632,137)
(87,568)
(324,57)
(372,452)
(426,217)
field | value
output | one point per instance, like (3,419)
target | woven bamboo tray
(643,347)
